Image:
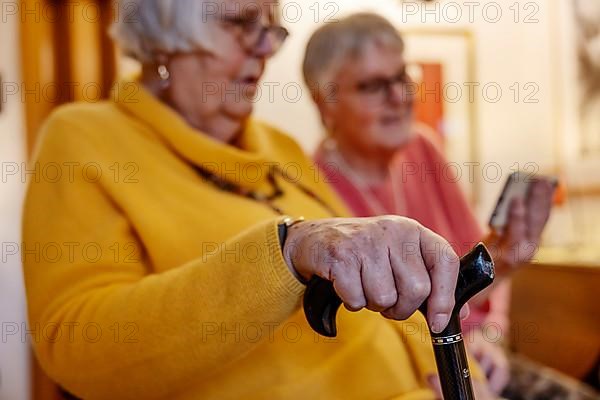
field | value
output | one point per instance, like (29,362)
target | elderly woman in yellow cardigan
(174,282)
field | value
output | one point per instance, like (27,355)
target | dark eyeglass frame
(383,86)
(252,33)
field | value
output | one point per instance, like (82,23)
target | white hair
(335,43)
(145,28)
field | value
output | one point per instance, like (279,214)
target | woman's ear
(328,123)
(326,111)
(157,75)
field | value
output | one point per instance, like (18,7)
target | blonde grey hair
(337,42)
(145,28)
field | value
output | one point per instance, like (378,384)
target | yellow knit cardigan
(145,281)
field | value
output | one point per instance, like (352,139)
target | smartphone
(517,186)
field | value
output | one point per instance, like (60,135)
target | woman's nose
(265,47)
(399,92)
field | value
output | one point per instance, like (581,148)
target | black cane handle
(321,303)
(476,273)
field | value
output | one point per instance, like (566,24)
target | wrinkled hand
(492,360)
(387,264)
(527,219)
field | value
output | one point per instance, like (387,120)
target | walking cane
(475,274)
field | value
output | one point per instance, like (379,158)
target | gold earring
(163,73)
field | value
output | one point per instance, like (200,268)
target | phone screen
(516,186)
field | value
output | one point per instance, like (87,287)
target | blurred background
(507,85)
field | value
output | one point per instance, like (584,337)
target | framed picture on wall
(587,23)
(442,63)
(577,57)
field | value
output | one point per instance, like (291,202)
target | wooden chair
(555,316)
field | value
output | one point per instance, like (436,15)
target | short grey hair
(335,43)
(145,28)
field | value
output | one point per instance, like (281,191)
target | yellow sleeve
(415,333)
(103,324)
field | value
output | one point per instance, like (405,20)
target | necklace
(265,199)
(362,186)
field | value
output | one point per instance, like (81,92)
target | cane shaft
(451,360)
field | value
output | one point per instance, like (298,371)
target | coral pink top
(420,186)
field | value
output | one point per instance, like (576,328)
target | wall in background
(14,353)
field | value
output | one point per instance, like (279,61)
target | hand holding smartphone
(518,185)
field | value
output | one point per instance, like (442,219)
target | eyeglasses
(251,33)
(380,89)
